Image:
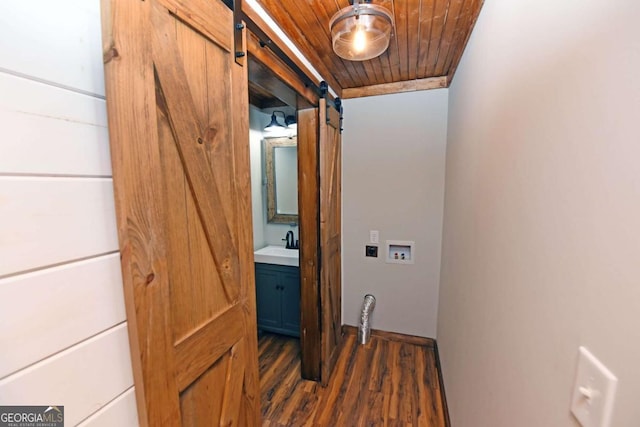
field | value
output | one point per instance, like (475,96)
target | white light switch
(374,236)
(594,392)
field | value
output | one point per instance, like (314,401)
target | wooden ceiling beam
(258,98)
(259,27)
(264,79)
(284,73)
(397,87)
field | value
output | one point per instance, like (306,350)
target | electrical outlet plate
(371,251)
(374,236)
(593,392)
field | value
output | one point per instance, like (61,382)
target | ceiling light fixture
(361,31)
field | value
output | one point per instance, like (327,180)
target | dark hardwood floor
(385,383)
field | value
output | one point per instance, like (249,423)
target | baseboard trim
(412,339)
(443,394)
(392,336)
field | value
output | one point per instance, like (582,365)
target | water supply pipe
(364,330)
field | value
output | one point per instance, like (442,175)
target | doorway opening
(274,197)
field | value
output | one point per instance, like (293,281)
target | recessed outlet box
(594,392)
(400,252)
(371,251)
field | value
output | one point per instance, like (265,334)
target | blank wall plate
(593,392)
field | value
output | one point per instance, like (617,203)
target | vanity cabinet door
(278,298)
(268,298)
(290,280)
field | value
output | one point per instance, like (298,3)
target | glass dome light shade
(361,32)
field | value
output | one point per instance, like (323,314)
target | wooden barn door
(330,236)
(309,222)
(319,187)
(178,122)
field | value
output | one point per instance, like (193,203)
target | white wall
(541,248)
(393,182)
(63,334)
(257,121)
(263,233)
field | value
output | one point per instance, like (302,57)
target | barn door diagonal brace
(239,45)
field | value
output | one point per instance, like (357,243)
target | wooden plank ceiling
(426,46)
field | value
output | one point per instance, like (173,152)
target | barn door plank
(192,138)
(178,118)
(140,209)
(233,388)
(309,218)
(207,344)
(330,238)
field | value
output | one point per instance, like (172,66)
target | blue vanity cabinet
(278,298)
(268,298)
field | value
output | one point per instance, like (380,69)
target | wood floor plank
(378,368)
(395,397)
(384,383)
(356,394)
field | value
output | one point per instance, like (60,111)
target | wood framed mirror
(281,166)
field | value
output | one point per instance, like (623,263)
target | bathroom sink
(277,255)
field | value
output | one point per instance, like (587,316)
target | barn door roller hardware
(336,104)
(239,45)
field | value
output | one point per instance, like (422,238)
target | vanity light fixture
(290,122)
(275,125)
(361,31)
